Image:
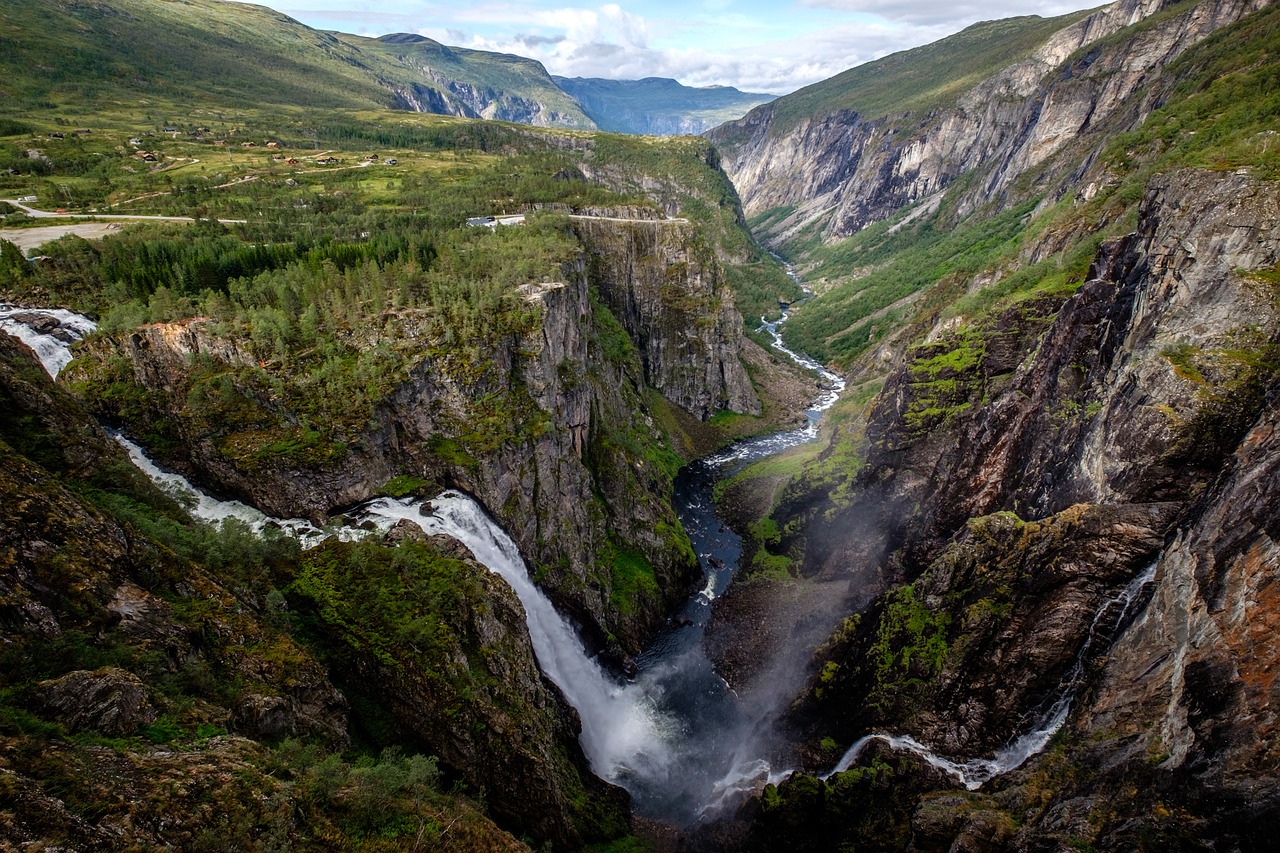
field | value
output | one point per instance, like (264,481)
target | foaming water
(622,733)
(49,332)
(215,511)
(977,771)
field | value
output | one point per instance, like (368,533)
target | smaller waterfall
(976,771)
(49,332)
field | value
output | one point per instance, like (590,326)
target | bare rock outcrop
(110,701)
(845,171)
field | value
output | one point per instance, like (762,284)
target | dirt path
(29,238)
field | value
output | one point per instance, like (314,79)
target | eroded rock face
(1192,686)
(110,701)
(572,469)
(1123,395)
(847,171)
(673,301)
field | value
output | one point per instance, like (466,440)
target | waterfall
(624,737)
(49,332)
(621,733)
(976,771)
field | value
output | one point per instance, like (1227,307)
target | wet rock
(110,701)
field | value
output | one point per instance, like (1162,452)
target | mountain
(1048,274)
(1016,592)
(324,327)
(657,106)
(125,51)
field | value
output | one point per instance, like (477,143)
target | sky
(753,45)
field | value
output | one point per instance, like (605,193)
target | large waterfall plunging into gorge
(675,736)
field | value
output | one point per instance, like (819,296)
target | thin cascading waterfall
(977,771)
(621,733)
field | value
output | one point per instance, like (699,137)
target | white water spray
(621,733)
(49,332)
(977,771)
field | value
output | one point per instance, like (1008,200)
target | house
(248,145)
(327,161)
(169,129)
(372,158)
(292,161)
(391,161)
(56,135)
(273,144)
(481,221)
(133,140)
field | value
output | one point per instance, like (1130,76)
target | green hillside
(922,78)
(70,55)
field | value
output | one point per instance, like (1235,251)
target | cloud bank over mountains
(750,44)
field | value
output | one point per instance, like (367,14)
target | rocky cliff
(838,172)
(670,295)
(191,648)
(549,427)
(1133,421)
(476,84)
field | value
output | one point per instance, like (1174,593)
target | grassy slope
(919,79)
(232,53)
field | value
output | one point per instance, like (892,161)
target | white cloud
(703,42)
(933,12)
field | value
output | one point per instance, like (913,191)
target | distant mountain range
(658,106)
(124,50)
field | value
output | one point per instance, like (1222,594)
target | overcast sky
(755,45)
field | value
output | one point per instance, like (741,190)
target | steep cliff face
(1135,422)
(671,297)
(446,96)
(842,171)
(547,427)
(108,632)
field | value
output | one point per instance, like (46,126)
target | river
(675,736)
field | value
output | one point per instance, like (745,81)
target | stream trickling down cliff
(976,771)
(675,736)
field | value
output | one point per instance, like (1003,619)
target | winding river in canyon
(675,736)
